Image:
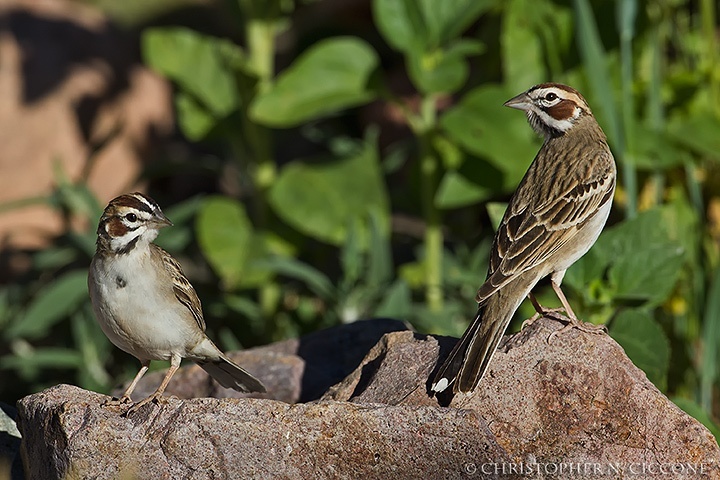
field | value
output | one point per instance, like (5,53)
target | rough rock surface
(577,400)
(574,408)
(297,370)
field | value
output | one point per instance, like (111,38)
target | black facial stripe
(131,244)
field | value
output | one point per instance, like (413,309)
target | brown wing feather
(529,234)
(182,288)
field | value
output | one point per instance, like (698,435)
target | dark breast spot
(120,282)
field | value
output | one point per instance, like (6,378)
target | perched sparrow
(144,303)
(554,217)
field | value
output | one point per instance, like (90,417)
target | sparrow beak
(521,102)
(160,220)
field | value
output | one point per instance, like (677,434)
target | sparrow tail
(231,375)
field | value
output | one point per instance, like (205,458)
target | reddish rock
(70,83)
(574,408)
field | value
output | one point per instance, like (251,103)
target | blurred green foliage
(363,224)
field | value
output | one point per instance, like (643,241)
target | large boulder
(573,408)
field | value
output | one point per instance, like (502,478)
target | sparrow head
(551,108)
(129,219)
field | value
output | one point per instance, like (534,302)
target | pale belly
(139,317)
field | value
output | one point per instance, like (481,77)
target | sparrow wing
(184,291)
(534,228)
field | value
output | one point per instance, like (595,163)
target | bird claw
(580,325)
(546,312)
(116,402)
(154,398)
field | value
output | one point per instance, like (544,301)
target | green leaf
(655,150)
(293,268)
(698,132)
(178,237)
(331,75)
(441,70)
(474,182)
(644,256)
(593,56)
(496,211)
(649,274)
(410,25)
(42,358)
(645,342)
(483,126)
(522,55)
(195,120)
(320,198)
(52,304)
(396,303)
(379,271)
(204,66)
(224,235)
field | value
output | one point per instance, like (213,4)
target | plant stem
(429,167)
(627,10)
(260,41)
(708,19)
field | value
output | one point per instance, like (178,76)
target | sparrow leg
(125,398)
(157,395)
(574,322)
(540,311)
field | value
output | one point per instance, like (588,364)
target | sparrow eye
(551,96)
(131,217)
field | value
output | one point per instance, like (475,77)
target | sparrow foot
(573,322)
(116,402)
(155,398)
(544,312)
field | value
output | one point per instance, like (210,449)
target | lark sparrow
(554,217)
(145,304)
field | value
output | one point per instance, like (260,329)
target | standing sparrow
(145,304)
(554,217)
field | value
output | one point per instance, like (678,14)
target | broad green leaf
(380,264)
(698,132)
(203,66)
(457,191)
(442,70)
(645,342)
(410,25)
(42,358)
(522,55)
(195,120)
(649,274)
(593,56)
(643,255)
(588,270)
(52,304)
(496,211)
(654,150)
(293,268)
(351,253)
(482,125)
(175,239)
(331,75)
(320,198)
(396,303)
(224,235)
(475,181)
